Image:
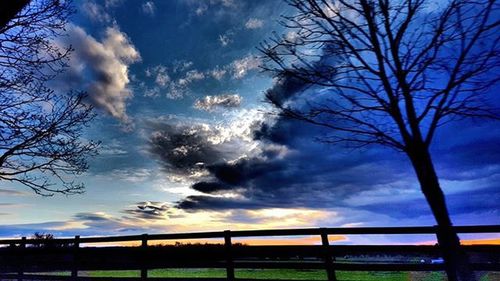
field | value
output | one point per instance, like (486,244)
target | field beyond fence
(70,259)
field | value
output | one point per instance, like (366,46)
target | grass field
(290,274)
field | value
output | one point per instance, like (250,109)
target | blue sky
(179,97)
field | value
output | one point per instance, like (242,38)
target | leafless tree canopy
(390,71)
(40,129)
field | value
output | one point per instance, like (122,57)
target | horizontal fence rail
(25,259)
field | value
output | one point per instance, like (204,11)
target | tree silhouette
(40,129)
(390,73)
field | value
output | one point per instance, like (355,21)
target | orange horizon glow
(311,240)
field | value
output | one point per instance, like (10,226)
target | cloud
(149,210)
(288,168)
(112,148)
(225,39)
(217,73)
(179,88)
(201,7)
(11,192)
(201,10)
(102,67)
(112,3)
(178,78)
(185,147)
(481,201)
(96,12)
(134,175)
(191,76)
(102,222)
(149,8)
(209,103)
(181,65)
(254,23)
(242,66)
(159,73)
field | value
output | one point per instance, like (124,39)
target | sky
(189,144)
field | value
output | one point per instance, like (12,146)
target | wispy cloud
(225,39)
(160,75)
(149,8)
(254,23)
(96,12)
(242,66)
(112,3)
(210,103)
(218,73)
(12,192)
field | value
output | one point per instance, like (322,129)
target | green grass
(288,274)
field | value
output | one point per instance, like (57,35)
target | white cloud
(112,149)
(149,8)
(190,77)
(292,36)
(254,23)
(201,10)
(209,103)
(194,75)
(218,73)
(152,93)
(242,66)
(112,3)
(102,67)
(228,3)
(96,12)
(160,74)
(181,65)
(225,40)
(201,7)
(180,87)
(131,174)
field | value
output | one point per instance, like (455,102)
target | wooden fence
(25,259)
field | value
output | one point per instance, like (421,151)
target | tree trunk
(456,262)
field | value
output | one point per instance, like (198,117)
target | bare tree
(8,10)
(391,73)
(40,129)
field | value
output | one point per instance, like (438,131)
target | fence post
(229,256)
(76,246)
(144,247)
(327,256)
(22,247)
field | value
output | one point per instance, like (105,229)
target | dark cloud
(183,149)
(306,174)
(211,187)
(285,88)
(290,168)
(101,222)
(468,202)
(476,156)
(294,170)
(149,210)
(90,217)
(201,202)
